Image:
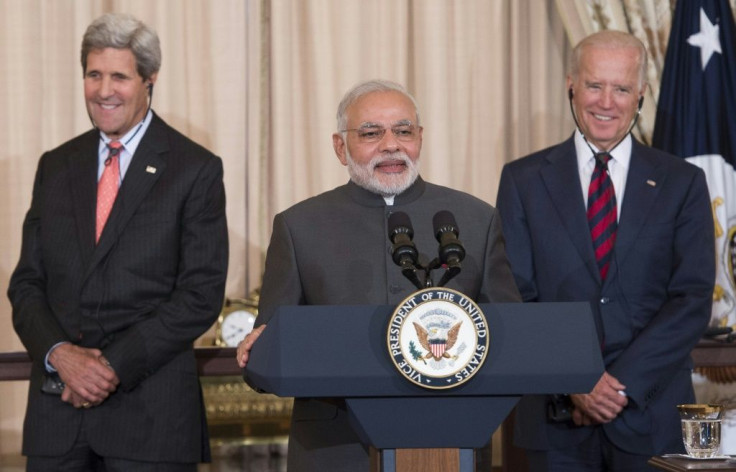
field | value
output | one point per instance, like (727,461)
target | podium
(340,351)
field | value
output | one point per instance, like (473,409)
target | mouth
(602,117)
(108,106)
(391,166)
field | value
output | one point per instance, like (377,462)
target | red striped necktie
(602,213)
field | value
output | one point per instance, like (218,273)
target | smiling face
(389,165)
(606,93)
(115,94)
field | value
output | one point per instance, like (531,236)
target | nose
(606,98)
(106,87)
(389,142)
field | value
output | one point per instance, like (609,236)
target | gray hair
(364,88)
(609,39)
(121,31)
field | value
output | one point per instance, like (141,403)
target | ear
(338,143)
(152,80)
(568,85)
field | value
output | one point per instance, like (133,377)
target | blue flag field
(696,120)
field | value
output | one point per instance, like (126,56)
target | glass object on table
(701,429)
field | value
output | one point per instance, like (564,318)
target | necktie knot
(601,160)
(115,147)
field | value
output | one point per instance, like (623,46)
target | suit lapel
(562,180)
(643,184)
(83,181)
(146,167)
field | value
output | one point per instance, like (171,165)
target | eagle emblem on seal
(437,340)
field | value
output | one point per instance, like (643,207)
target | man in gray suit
(333,249)
(604,219)
(122,267)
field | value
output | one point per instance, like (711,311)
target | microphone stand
(410,272)
(451,271)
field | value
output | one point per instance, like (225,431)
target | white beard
(387,184)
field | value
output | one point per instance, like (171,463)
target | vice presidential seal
(438,338)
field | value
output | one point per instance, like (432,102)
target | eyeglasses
(372,134)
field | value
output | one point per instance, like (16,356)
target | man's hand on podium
(243,352)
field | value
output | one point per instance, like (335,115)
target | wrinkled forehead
(619,65)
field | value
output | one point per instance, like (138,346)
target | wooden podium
(340,351)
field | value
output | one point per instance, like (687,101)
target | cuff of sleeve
(49,367)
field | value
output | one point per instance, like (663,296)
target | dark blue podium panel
(428,422)
(340,351)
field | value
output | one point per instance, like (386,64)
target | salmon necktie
(602,213)
(107,187)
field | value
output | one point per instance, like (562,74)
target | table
(709,353)
(221,360)
(211,361)
(681,464)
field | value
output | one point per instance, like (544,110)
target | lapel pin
(651,183)
(150,169)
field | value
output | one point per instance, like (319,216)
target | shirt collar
(621,154)
(367,198)
(131,139)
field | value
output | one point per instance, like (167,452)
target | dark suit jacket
(153,284)
(333,249)
(655,302)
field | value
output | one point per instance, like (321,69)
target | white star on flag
(707,39)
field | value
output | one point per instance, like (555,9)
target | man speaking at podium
(641,254)
(334,249)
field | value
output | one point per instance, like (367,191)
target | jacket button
(605,300)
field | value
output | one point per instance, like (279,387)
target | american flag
(696,120)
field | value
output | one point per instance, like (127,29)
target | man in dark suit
(642,255)
(333,249)
(108,308)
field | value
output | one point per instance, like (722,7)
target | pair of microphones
(405,254)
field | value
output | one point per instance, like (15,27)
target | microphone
(451,251)
(401,232)
(403,251)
